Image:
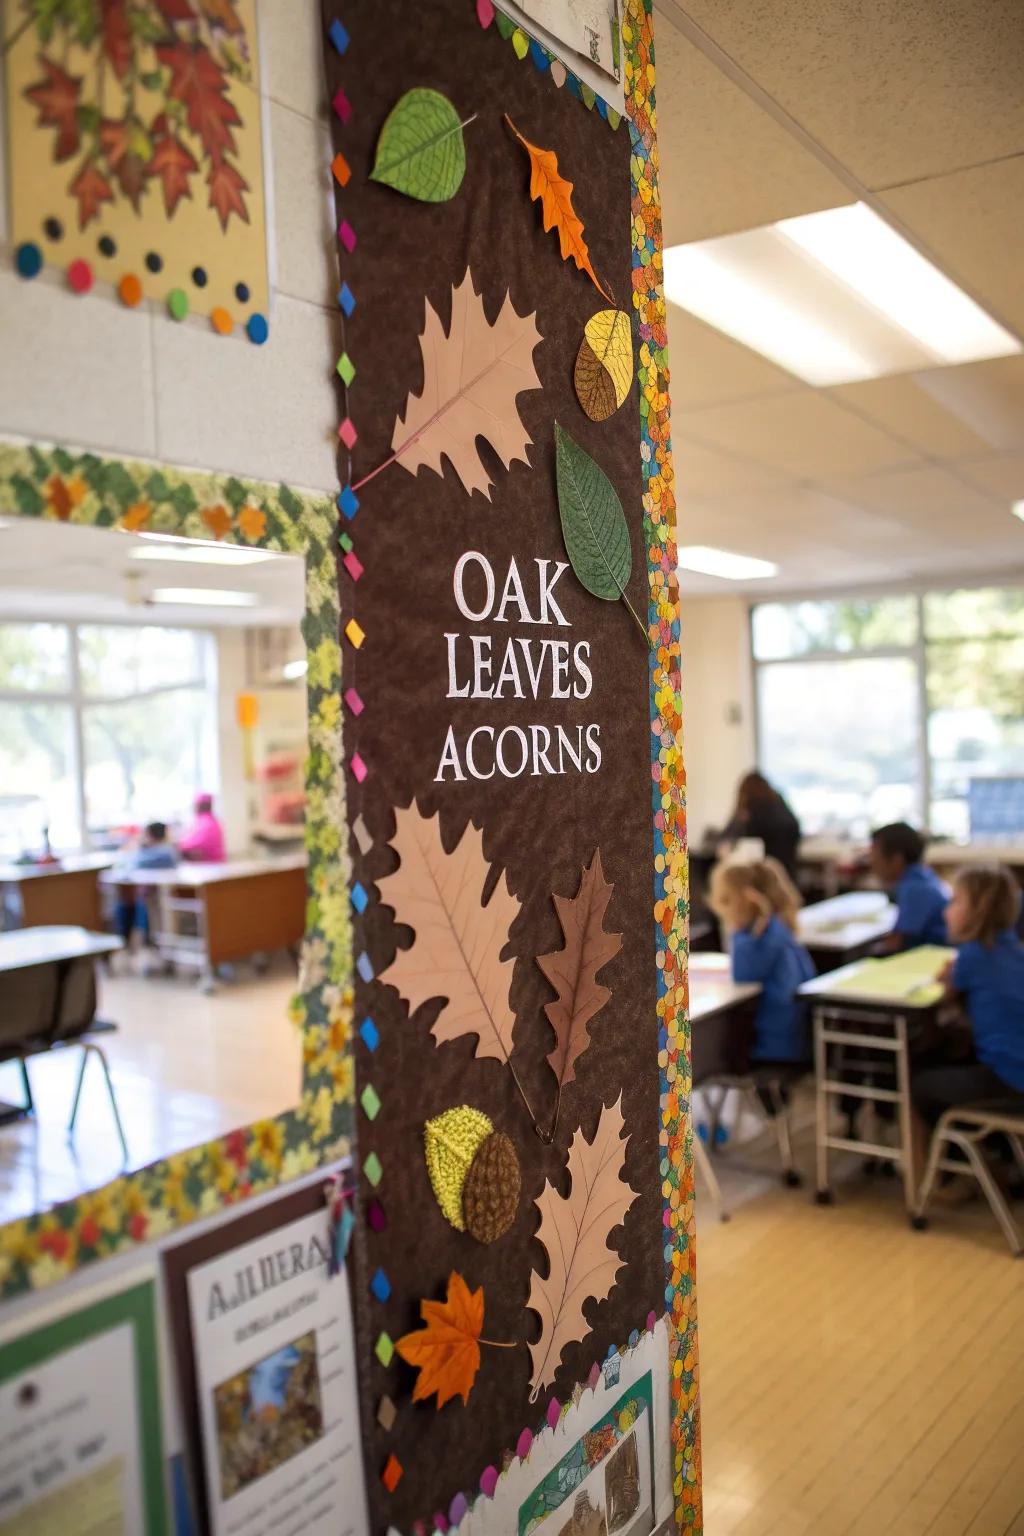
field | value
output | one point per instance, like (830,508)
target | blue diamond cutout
(346,298)
(360,900)
(338,36)
(380,1285)
(364,967)
(370,1034)
(348,502)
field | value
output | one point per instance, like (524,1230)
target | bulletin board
(515,794)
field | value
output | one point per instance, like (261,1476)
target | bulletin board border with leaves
(85,489)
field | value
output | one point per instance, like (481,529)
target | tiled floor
(185,1067)
(858,1378)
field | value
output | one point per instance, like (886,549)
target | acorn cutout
(474,1172)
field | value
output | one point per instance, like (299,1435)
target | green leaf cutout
(593,524)
(421,151)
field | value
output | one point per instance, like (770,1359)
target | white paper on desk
(275,1371)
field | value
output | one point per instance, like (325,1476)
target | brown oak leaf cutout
(574,1230)
(572,971)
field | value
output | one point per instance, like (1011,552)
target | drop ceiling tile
(726,164)
(1001,476)
(931,502)
(895,91)
(908,411)
(988,398)
(804,435)
(973,220)
(700,471)
(709,368)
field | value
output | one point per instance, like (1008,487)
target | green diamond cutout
(384,1350)
(373,1170)
(346,368)
(370,1101)
(345,542)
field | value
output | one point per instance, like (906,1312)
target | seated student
(154,851)
(202,842)
(759,903)
(988,975)
(921,897)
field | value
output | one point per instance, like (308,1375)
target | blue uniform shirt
(921,902)
(780,964)
(992,980)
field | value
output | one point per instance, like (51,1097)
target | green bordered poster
(81,1449)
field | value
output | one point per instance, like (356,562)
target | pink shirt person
(203,841)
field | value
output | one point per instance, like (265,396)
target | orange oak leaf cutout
(572,971)
(446,1350)
(575,1231)
(473,374)
(554,193)
(458,944)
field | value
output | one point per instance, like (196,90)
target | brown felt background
(408,533)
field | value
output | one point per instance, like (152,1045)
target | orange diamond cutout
(342,170)
(392,1474)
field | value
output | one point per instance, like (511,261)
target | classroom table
(207,915)
(721,1020)
(64,893)
(873,1006)
(845,928)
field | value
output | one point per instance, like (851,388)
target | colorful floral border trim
(85,489)
(544,60)
(671,903)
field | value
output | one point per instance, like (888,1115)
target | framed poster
(81,1448)
(264,1342)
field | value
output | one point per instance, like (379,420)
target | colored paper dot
(384,1350)
(369,1034)
(130,290)
(177,303)
(346,368)
(380,1285)
(106,246)
(373,1169)
(221,321)
(257,328)
(80,276)
(242,292)
(370,1100)
(154,261)
(360,900)
(199,277)
(53,229)
(28,259)
(392,1474)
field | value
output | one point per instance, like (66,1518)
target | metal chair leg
(931,1172)
(993,1194)
(905,1111)
(710,1177)
(823,1194)
(30,1105)
(790,1172)
(78,1089)
(102,1058)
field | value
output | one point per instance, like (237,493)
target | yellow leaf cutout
(604,364)
(554,193)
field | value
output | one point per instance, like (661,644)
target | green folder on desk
(911,976)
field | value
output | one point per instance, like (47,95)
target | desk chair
(46,1007)
(752,1084)
(967,1127)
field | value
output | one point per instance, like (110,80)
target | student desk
(721,1019)
(37,895)
(845,928)
(211,914)
(873,1008)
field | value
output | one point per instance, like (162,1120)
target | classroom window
(101,726)
(877,709)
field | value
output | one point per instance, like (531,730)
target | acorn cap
(490,1195)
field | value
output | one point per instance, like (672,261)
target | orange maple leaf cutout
(446,1349)
(554,193)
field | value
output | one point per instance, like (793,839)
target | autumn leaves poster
(506,1036)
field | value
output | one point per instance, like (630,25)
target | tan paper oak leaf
(574,1229)
(472,375)
(456,952)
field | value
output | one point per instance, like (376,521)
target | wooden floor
(185,1067)
(858,1378)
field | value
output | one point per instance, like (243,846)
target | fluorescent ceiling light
(204,597)
(1018,510)
(293,669)
(832,297)
(722,562)
(200,554)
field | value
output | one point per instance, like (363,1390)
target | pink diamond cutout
(348,433)
(353,565)
(347,235)
(358,767)
(342,105)
(354,702)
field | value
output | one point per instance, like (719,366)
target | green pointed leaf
(421,151)
(593,522)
